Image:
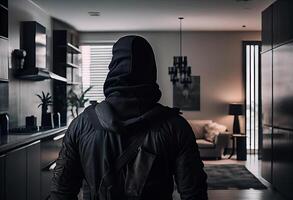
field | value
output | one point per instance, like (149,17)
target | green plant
(76,101)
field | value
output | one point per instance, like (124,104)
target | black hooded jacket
(169,148)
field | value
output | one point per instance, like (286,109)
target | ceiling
(158,15)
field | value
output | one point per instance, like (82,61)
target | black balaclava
(130,86)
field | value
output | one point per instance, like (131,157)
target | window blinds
(95,61)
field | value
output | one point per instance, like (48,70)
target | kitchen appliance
(4,124)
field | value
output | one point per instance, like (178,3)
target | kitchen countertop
(13,140)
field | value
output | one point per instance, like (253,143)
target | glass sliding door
(251,50)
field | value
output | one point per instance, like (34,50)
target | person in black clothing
(168,152)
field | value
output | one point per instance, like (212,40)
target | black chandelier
(180,67)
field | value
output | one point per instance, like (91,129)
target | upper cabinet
(3,41)
(276,28)
(282,22)
(267,29)
(3,19)
(34,42)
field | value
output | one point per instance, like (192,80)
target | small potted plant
(46,100)
(77,102)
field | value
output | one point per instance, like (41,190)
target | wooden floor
(253,165)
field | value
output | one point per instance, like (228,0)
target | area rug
(223,177)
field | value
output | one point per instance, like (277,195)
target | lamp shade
(235,109)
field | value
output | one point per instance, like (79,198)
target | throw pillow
(198,127)
(212,130)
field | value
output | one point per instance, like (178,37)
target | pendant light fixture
(180,71)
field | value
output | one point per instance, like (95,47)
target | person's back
(130,109)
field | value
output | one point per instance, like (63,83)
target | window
(95,62)
(252,67)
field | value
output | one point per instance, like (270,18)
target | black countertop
(13,140)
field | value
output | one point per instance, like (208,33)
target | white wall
(215,56)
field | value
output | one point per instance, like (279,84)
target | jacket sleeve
(68,174)
(189,174)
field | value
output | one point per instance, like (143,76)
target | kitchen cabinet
(277,90)
(33,172)
(267,121)
(283,161)
(3,19)
(282,22)
(267,87)
(15,167)
(50,148)
(267,29)
(3,40)
(22,173)
(2,175)
(3,60)
(267,153)
(282,86)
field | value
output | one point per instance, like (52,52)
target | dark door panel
(267,87)
(283,87)
(2,175)
(267,29)
(15,167)
(283,161)
(33,171)
(282,21)
(267,154)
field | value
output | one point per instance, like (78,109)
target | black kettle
(4,124)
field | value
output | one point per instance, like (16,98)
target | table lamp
(236,110)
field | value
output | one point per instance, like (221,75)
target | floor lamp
(236,110)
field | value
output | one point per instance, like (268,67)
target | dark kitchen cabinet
(22,173)
(282,86)
(33,172)
(267,153)
(267,29)
(267,87)
(283,161)
(277,79)
(50,148)
(15,166)
(33,40)
(4,3)
(282,22)
(2,175)
(3,19)
(267,121)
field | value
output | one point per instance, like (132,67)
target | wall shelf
(71,65)
(71,48)
(66,62)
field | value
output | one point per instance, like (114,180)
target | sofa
(212,138)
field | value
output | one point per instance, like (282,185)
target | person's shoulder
(80,124)
(178,121)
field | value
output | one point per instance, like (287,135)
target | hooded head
(130,86)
